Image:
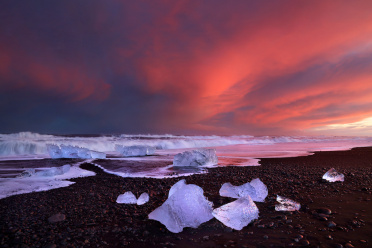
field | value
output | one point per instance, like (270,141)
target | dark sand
(94,219)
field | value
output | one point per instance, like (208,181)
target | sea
(26,165)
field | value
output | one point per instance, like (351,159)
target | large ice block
(198,157)
(261,190)
(176,187)
(286,204)
(229,190)
(67,151)
(143,198)
(333,176)
(237,214)
(135,151)
(127,198)
(185,207)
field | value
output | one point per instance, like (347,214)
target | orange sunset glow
(242,67)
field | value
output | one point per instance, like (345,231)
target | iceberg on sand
(143,198)
(186,206)
(286,204)
(135,151)
(237,214)
(67,151)
(333,176)
(198,157)
(256,189)
(129,198)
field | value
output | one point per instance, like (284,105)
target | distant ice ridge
(200,157)
(237,214)
(333,176)
(135,151)
(256,190)
(186,206)
(286,204)
(31,181)
(73,152)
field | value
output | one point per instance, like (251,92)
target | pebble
(324,211)
(266,237)
(331,224)
(348,245)
(56,218)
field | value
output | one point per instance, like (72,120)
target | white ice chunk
(54,171)
(176,187)
(135,151)
(127,198)
(143,198)
(261,190)
(185,207)
(67,151)
(286,204)
(333,176)
(229,190)
(237,214)
(198,157)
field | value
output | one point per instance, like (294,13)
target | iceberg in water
(143,198)
(333,176)
(135,151)
(256,189)
(67,151)
(54,171)
(127,198)
(237,214)
(198,157)
(286,204)
(185,207)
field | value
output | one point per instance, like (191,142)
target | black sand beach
(331,215)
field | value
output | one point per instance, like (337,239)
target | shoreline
(94,219)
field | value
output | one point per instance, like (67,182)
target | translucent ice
(127,198)
(196,158)
(143,198)
(176,187)
(333,176)
(185,207)
(54,171)
(26,173)
(229,190)
(261,190)
(135,151)
(237,214)
(286,204)
(67,151)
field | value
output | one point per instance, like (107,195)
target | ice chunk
(144,197)
(54,171)
(135,151)
(196,158)
(27,173)
(127,198)
(237,214)
(261,190)
(67,151)
(185,207)
(333,176)
(176,187)
(229,190)
(286,204)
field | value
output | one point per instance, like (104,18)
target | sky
(186,67)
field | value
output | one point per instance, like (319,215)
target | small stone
(266,237)
(329,237)
(326,211)
(206,238)
(331,224)
(305,242)
(339,246)
(56,218)
(348,245)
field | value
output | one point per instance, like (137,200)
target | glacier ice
(286,204)
(67,151)
(229,190)
(135,151)
(333,176)
(196,158)
(127,198)
(176,187)
(185,207)
(261,190)
(237,214)
(143,198)
(27,173)
(256,189)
